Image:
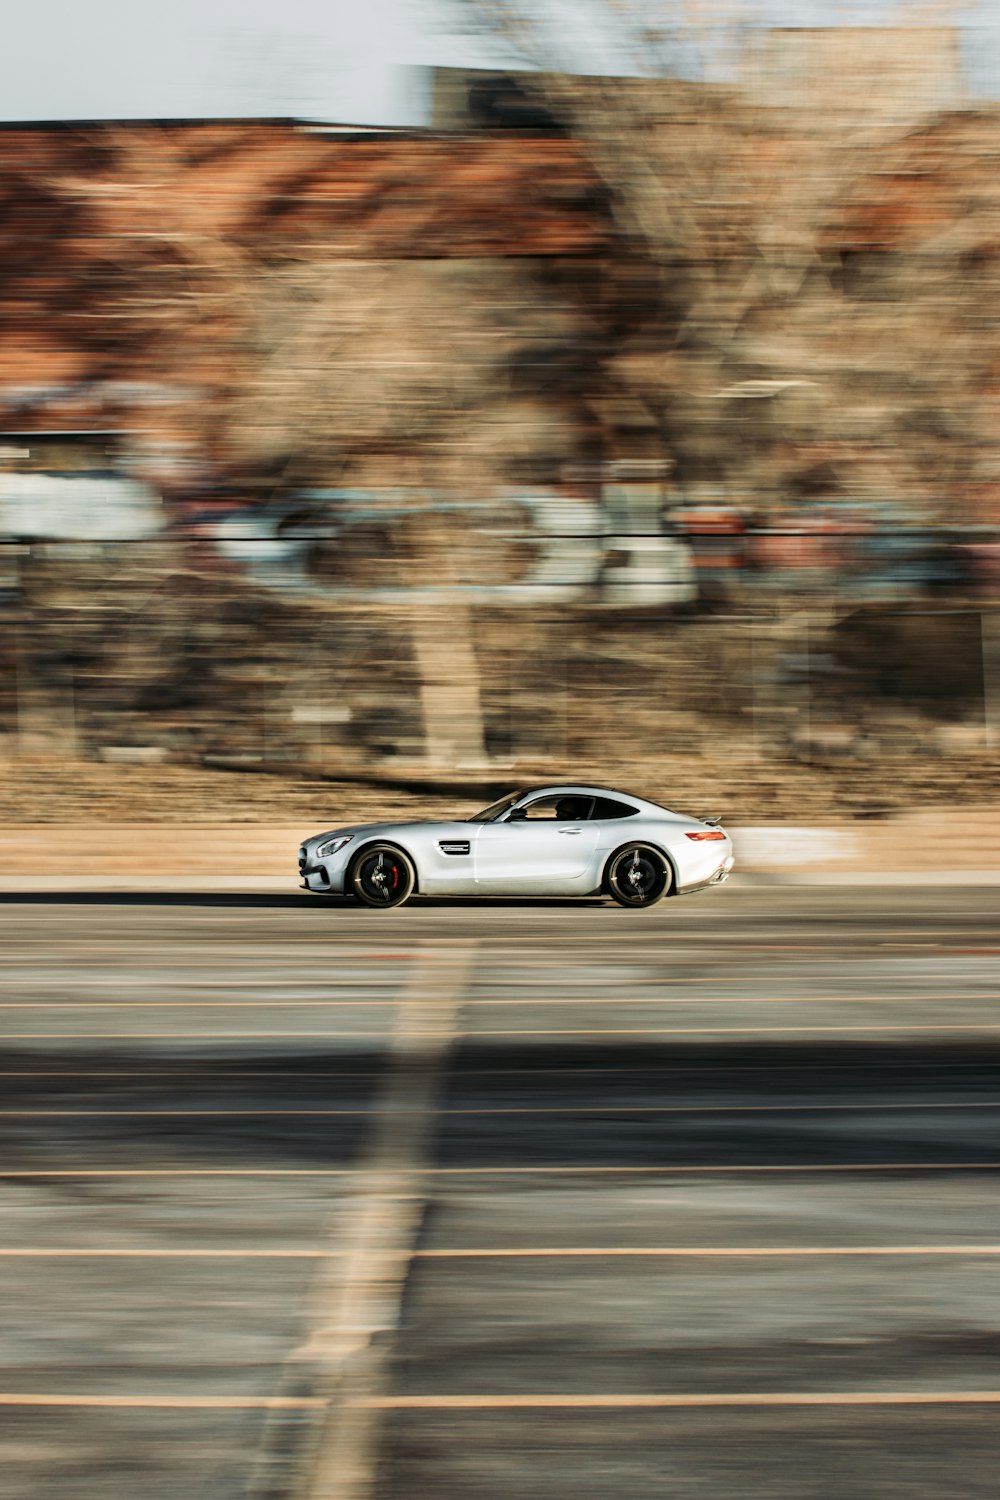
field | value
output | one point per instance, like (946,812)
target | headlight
(332,845)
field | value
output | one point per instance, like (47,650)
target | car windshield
(496,809)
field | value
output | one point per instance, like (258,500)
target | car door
(544,852)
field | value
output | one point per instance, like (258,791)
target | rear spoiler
(714,821)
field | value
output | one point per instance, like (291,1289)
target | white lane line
(356,1300)
(605,1401)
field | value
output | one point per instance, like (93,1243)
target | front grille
(302,859)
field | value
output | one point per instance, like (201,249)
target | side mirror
(517,815)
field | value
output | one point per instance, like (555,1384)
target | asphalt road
(497,1201)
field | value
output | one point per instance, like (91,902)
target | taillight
(709,833)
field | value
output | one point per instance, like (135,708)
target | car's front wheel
(638,876)
(382,876)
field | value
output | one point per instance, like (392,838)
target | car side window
(542,808)
(606,808)
(564,809)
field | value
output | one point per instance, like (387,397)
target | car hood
(366,829)
(348,828)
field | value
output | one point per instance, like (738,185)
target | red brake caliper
(395,876)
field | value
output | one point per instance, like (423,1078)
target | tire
(638,876)
(382,876)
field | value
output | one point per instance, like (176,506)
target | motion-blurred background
(647,425)
(400,404)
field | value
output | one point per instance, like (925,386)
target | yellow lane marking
(528,1109)
(846,1028)
(152,1071)
(183,1403)
(544,1402)
(203,1004)
(682,1252)
(127,1114)
(183,1172)
(355,1305)
(556,1252)
(733,1167)
(512,1171)
(750,1030)
(705,1109)
(501,1402)
(577,998)
(542,999)
(604,1001)
(103,1252)
(182,1036)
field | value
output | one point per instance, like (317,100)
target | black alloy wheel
(382,876)
(638,876)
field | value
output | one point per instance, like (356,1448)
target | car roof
(575,790)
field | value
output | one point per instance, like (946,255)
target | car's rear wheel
(382,875)
(638,876)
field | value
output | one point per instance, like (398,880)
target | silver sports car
(546,841)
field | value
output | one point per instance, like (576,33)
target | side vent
(454,846)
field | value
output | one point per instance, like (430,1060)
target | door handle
(569,830)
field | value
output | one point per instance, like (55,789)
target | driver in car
(571,809)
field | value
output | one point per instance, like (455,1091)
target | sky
(355,61)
